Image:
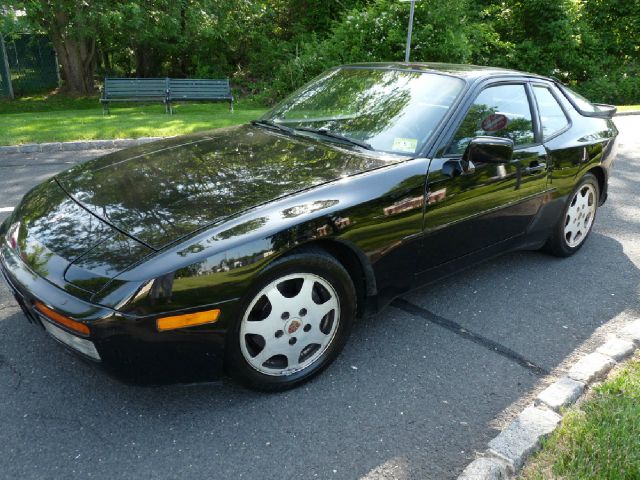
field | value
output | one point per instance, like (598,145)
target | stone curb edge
(78,145)
(624,114)
(507,453)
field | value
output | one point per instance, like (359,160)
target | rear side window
(552,116)
(500,111)
(579,101)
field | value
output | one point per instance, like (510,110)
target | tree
(272,46)
(73,27)
(378,32)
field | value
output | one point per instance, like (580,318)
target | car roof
(467,72)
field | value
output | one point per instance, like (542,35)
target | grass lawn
(600,438)
(60,119)
(628,108)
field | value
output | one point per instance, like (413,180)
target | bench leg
(105,108)
(231,106)
(168,108)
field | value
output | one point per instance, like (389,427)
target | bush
(617,89)
(378,33)
(270,47)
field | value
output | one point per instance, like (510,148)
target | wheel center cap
(293,326)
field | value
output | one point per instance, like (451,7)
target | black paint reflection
(49,217)
(171,188)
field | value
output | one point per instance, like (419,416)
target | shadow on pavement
(405,390)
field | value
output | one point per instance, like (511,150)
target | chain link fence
(27,65)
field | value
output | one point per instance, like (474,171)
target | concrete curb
(507,453)
(77,146)
(624,114)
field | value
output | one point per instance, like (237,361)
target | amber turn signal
(187,320)
(78,327)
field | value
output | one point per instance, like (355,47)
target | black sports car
(260,244)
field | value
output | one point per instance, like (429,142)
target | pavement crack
(467,334)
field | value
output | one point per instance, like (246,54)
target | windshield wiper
(272,124)
(338,136)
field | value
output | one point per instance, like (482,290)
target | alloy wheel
(580,215)
(289,324)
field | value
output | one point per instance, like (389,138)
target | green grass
(59,119)
(48,103)
(600,439)
(628,108)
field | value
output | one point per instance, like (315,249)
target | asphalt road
(419,388)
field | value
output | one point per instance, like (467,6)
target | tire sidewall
(331,271)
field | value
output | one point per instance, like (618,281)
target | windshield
(390,110)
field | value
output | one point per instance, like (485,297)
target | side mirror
(489,150)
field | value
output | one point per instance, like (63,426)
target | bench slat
(199,89)
(166,89)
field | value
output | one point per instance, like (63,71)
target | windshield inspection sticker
(408,145)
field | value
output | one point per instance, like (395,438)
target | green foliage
(616,88)
(378,33)
(594,46)
(11,24)
(270,47)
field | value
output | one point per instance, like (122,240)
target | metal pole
(6,68)
(407,50)
(55,56)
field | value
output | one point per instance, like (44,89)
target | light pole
(410,30)
(5,65)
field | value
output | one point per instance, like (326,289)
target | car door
(488,203)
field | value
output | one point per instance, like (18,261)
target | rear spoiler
(601,110)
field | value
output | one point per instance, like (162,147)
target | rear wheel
(577,220)
(295,320)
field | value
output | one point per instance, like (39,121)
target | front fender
(377,214)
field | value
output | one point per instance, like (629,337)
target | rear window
(552,116)
(581,103)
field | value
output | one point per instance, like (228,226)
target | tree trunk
(76,54)
(78,61)
(147,63)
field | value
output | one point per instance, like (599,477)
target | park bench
(134,90)
(165,90)
(201,89)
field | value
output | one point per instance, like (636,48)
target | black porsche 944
(262,243)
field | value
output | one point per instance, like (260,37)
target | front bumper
(28,288)
(128,345)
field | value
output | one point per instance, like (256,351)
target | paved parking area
(418,389)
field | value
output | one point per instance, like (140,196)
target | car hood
(162,191)
(64,243)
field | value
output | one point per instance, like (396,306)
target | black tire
(314,262)
(558,244)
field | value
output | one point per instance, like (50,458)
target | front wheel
(295,320)
(577,219)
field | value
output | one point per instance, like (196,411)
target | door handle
(535,167)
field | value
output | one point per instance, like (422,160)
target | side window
(500,111)
(552,117)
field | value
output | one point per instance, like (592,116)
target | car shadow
(404,389)
(405,399)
